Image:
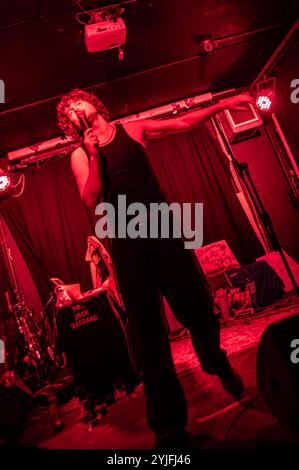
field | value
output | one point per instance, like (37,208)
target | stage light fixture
(4,182)
(8,187)
(263,102)
(265,95)
(5,185)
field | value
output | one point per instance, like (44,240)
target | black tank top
(126,170)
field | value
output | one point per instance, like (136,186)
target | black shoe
(232,382)
(171,439)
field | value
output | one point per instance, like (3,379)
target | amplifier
(91,333)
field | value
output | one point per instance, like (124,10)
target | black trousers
(144,267)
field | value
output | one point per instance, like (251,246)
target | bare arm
(153,128)
(88,176)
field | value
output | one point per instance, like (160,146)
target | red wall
(287,111)
(272,187)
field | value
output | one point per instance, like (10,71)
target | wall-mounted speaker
(240,124)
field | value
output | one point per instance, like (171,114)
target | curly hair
(76,94)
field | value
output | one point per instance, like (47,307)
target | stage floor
(211,409)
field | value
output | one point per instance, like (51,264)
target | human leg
(166,404)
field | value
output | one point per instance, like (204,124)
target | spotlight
(5,185)
(263,102)
(4,182)
(265,95)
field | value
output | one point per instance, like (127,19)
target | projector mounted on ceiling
(104,28)
(104,35)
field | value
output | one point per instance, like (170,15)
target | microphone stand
(243,172)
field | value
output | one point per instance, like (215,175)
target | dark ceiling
(43,55)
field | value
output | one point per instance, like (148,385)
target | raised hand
(91,141)
(236,102)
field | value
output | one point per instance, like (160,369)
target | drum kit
(30,351)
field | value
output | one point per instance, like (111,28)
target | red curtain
(191,167)
(50,225)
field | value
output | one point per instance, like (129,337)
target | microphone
(83,123)
(82,120)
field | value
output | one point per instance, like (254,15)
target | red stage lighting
(4,182)
(5,185)
(265,94)
(264,101)
(8,187)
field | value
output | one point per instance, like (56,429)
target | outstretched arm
(152,129)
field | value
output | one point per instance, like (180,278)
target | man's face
(81,105)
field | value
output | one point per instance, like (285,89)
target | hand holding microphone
(90,139)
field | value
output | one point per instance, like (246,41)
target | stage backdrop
(50,223)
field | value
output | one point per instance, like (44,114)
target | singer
(110,161)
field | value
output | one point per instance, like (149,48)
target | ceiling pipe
(289,39)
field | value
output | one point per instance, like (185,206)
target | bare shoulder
(80,167)
(78,153)
(135,129)
(79,164)
(78,157)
